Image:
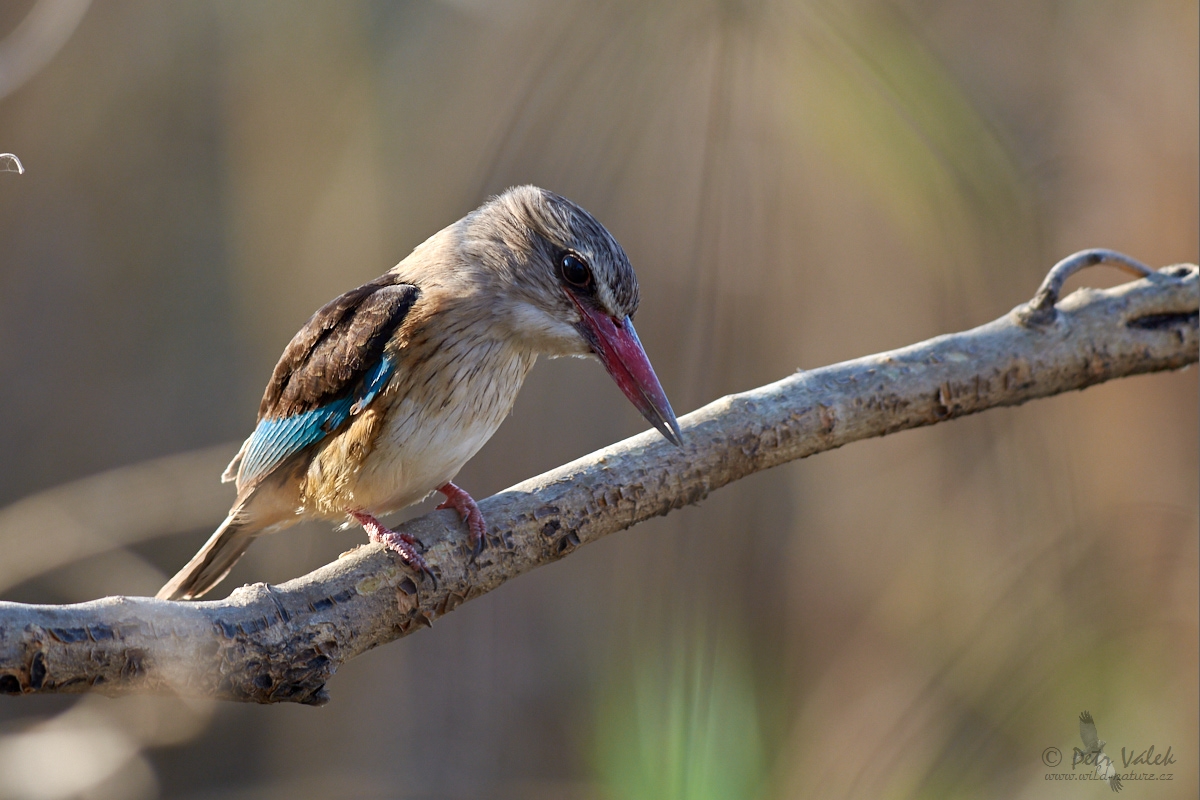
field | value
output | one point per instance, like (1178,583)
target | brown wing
(329,357)
(330,371)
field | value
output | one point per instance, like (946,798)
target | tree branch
(271,644)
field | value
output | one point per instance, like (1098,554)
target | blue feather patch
(373,383)
(276,440)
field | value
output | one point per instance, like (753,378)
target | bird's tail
(210,566)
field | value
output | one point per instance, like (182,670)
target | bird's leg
(400,543)
(465,505)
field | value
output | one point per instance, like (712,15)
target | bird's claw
(426,570)
(462,502)
(477,546)
(402,544)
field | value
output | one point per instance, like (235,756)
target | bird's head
(562,284)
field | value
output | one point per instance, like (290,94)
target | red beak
(616,343)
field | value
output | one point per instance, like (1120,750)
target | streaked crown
(550,246)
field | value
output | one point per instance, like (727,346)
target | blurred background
(797,183)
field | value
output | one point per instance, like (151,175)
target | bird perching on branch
(389,389)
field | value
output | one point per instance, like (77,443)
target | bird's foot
(468,509)
(402,544)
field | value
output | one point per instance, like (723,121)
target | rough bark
(282,643)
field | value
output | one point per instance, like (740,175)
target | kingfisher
(390,388)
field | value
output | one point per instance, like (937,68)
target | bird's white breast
(437,416)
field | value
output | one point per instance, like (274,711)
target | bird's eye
(574,271)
